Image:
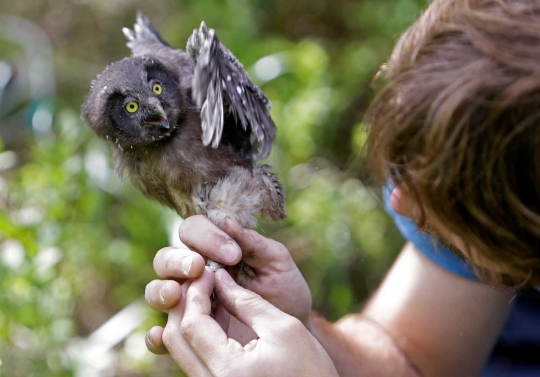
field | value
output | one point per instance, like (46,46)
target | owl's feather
(220,81)
(241,192)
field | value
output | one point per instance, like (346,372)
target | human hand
(200,346)
(278,279)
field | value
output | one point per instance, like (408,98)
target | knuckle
(188,328)
(256,239)
(281,249)
(262,243)
(291,326)
(252,242)
(251,301)
(161,257)
(198,299)
(169,336)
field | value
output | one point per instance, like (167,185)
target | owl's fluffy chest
(175,171)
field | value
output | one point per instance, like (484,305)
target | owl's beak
(156,115)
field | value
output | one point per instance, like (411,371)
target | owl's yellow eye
(132,107)
(157,88)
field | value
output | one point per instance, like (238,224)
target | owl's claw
(214,266)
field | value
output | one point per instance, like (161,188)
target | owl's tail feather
(274,198)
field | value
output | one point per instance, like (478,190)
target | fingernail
(229,252)
(226,278)
(149,340)
(186,264)
(162,294)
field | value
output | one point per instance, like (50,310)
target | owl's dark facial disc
(135,102)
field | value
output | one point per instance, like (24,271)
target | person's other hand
(278,279)
(200,346)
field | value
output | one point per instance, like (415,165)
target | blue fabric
(427,244)
(517,352)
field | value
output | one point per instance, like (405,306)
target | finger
(222,317)
(201,235)
(176,345)
(204,335)
(250,308)
(162,294)
(257,251)
(154,337)
(154,341)
(174,263)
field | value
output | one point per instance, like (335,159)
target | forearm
(360,347)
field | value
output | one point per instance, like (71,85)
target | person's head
(457,129)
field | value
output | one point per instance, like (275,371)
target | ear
(402,204)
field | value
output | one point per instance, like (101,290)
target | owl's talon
(214,266)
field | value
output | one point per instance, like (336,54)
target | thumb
(250,308)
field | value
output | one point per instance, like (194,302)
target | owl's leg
(237,195)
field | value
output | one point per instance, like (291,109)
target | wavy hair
(458,123)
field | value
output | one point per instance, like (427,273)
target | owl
(187,128)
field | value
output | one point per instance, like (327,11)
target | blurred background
(76,244)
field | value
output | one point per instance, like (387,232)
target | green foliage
(76,244)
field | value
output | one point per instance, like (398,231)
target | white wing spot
(228,77)
(239,90)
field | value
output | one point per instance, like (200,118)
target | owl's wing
(143,39)
(220,85)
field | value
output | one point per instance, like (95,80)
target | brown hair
(458,125)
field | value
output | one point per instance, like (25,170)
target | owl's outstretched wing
(221,87)
(143,39)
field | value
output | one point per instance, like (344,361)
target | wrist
(359,346)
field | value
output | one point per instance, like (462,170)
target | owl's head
(135,102)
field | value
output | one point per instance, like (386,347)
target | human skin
(201,347)
(422,320)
